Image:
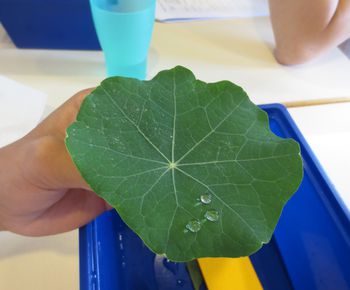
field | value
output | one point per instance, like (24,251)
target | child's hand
(41,191)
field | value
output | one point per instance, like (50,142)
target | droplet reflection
(193,226)
(212,215)
(206,198)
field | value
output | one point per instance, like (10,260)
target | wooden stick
(317,102)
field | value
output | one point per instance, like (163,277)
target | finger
(53,166)
(58,121)
(64,170)
(49,166)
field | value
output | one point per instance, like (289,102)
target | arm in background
(305,29)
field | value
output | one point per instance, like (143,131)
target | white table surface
(326,128)
(238,50)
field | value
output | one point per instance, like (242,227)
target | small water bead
(193,226)
(180,283)
(206,198)
(212,215)
(93,276)
(173,267)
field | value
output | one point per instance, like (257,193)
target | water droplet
(180,282)
(93,276)
(206,198)
(193,226)
(171,266)
(120,238)
(212,215)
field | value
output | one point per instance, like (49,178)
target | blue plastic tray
(309,250)
(53,24)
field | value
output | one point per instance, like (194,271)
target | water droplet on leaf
(206,198)
(193,226)
(212,215)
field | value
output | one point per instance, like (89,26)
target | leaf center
(172,165)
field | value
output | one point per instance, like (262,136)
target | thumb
(51,166)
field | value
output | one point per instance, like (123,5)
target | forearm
(304,29)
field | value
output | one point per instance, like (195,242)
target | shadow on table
(15,245)
(52,62)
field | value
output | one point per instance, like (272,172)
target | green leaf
(191,167)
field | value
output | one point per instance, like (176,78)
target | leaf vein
(211,131)
(135,125)
(120,153)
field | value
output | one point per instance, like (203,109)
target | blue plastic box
(310,248)
(49,24)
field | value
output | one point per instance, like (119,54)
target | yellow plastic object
(228,274)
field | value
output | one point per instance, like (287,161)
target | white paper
(21,109)
(185,10)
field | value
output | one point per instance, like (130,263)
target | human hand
(41,191)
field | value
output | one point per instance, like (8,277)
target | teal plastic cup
(124,29)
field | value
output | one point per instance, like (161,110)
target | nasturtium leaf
(191,167)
